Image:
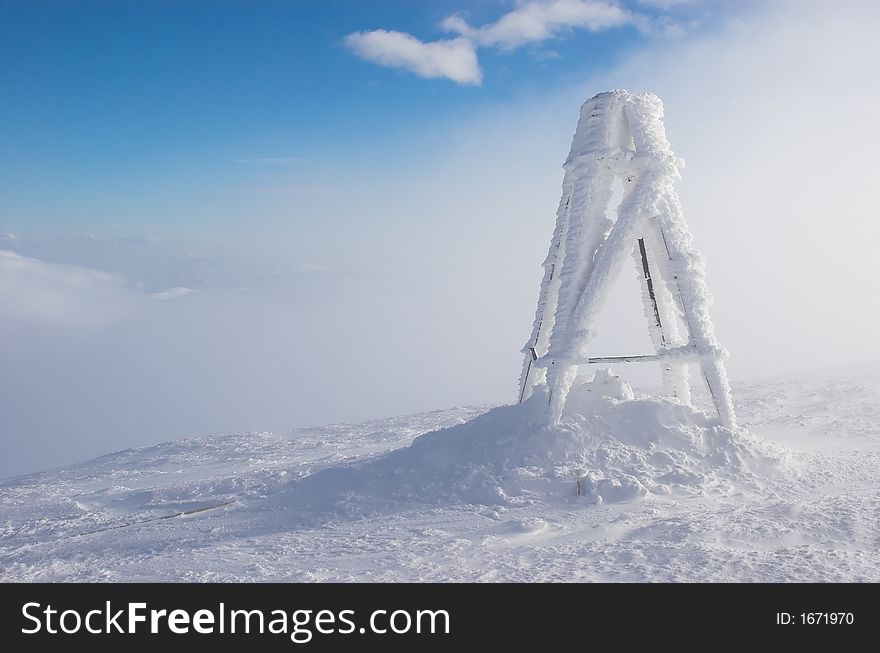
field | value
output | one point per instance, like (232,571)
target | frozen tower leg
(621,136)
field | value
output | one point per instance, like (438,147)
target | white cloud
(454,59)
(538,21)
(171,293)
(666,4)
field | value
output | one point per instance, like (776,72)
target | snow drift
(110,519)
(610,445)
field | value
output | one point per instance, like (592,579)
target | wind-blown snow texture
(621,448)
(484,494)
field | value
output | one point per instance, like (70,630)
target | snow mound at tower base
(610,446)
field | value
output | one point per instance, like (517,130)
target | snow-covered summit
(224,507)
(609,445)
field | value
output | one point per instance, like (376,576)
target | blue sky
(109,105)
(235,216)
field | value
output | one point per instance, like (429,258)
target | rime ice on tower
(621,136)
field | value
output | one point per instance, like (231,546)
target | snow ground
(811,515)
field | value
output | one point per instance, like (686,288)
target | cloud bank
(34,291)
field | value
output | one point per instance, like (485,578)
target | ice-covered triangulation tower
(621,136)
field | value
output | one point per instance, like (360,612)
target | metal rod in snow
(547,296)
(642,358)
(531,357)
(722,403)
(646,270)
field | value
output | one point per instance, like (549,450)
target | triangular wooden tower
(621,135)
